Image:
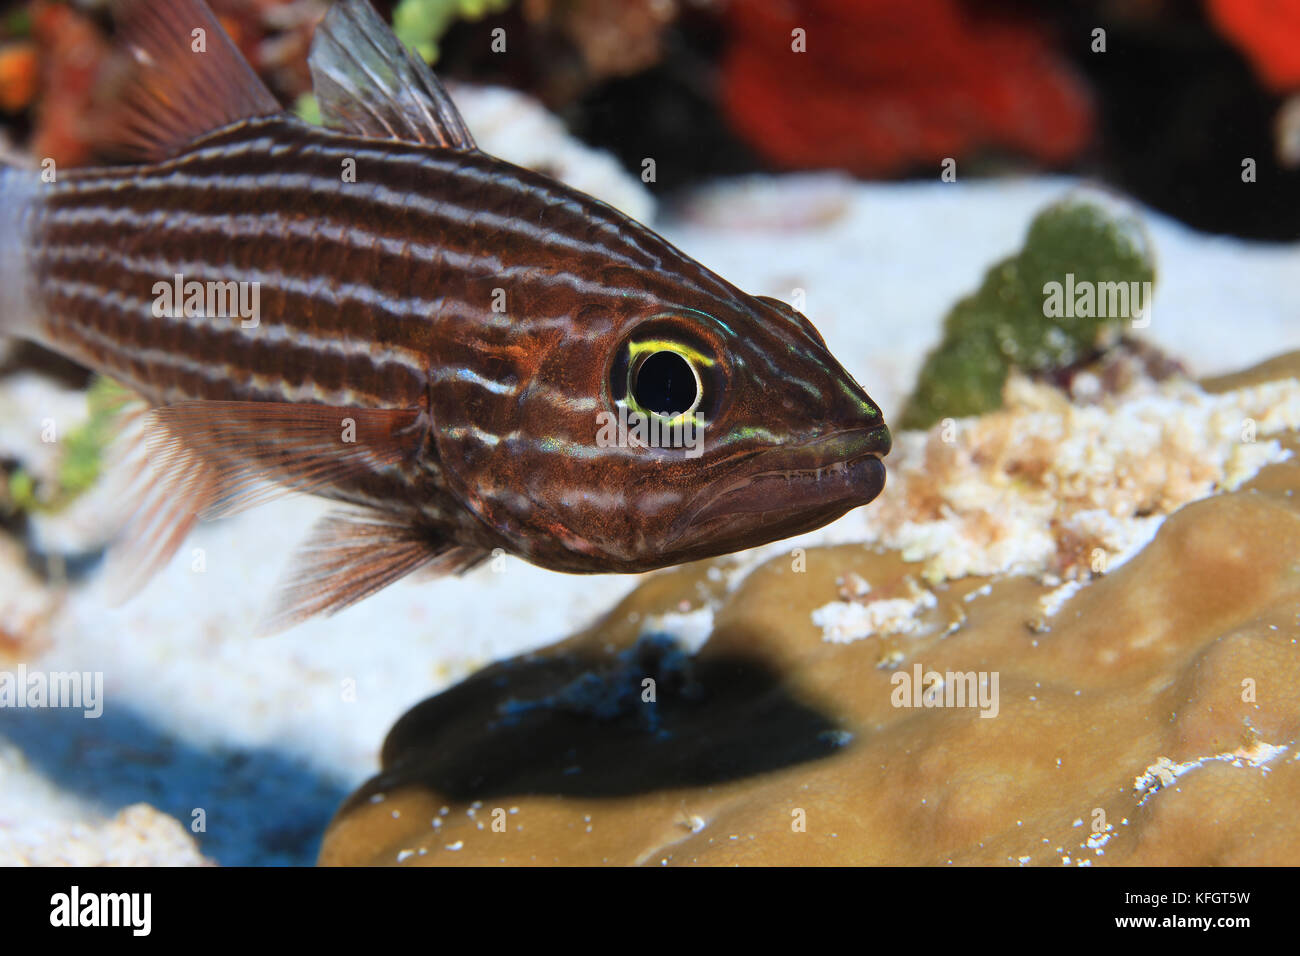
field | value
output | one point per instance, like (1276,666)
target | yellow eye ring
(675,354)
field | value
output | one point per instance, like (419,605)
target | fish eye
(665,377)
(665,383)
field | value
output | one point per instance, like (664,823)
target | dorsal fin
(174,83)
(368,84)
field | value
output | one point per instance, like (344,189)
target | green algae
(307,109)
(82,459)
(420,24)
(1044,308)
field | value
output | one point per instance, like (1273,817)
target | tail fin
(19,193)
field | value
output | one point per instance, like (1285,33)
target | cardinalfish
(379,313)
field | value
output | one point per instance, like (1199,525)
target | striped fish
(466,355)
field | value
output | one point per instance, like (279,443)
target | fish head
(668,428)
(785,440)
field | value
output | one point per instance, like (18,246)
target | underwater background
(1094,514)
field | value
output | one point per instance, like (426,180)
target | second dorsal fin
(178,77)
(368,84)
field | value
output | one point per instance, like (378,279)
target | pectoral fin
(179,463)
(351,555)
(252,451)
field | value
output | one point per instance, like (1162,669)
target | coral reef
(80,454)
(612,39)
(1146,715)
(1266,31)
(421,23)
(18,70)
(42,824)
(1053,488)
(1027,315)
(137,836)
(71,51)
(26,607)
(884,88)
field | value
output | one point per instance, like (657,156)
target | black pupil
(665,384)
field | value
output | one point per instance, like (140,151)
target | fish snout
(790,489)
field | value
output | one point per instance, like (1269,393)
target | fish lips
(788,490)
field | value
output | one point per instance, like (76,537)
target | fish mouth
(779,492)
